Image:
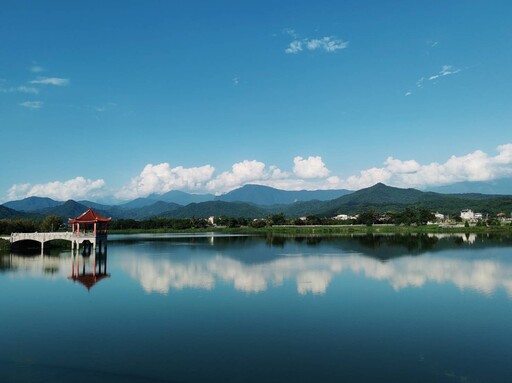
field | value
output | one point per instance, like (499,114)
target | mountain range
(255,201)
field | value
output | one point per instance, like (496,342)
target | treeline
(26,225)
(407,217)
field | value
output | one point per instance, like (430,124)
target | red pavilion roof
(90,216)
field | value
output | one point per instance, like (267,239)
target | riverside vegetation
(409,220)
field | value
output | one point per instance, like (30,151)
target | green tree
(368,218)
(50,223)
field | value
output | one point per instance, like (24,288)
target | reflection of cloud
(314,273)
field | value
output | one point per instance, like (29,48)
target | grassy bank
(331,230)
(4,245)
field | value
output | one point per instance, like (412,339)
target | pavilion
(91,227)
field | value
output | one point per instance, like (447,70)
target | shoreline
(331,230)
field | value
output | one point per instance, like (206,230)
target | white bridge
(76,238)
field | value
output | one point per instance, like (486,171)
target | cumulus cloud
(76,188)
(311,167)
(162,178)
(241,173)
(475,166)
(31,104)
(327,44)
(56,81)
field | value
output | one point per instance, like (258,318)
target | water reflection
(251,264)
(392,259)
(89,270)
(86,270)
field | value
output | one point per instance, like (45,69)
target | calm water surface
(184,308)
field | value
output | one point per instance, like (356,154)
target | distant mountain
(32,203)
(8,213)
(181,198)
(137,203)
(386,198)
(265,195)
(501,186)
(95,205)
(154,210)
(69,209)
(217,208)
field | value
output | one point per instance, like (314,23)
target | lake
(212,307)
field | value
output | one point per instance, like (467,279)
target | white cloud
(446,70)
(241,173)
(475,166)
(399,166)
(291,32)
(235,80)
(327,44)
(294,47)
(51,81)
(408,94)
(162,178)
(312,167)
(32,104)
(76,188)
(20,89)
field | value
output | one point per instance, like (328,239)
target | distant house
(439,216)
(341,217)
(211,220)
(467,214)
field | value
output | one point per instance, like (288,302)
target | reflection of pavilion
(89,271)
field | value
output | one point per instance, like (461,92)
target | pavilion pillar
(95,229)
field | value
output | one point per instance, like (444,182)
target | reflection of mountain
(257,249)
(313,273)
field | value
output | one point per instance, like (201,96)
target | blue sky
(125,99)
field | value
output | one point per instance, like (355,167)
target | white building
(467,214)
(439,216)
(341,217)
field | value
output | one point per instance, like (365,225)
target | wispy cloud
(446,70)
(20,89)
(56,81)
(36,69)
(235,80)
(32,104)
(327,44)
